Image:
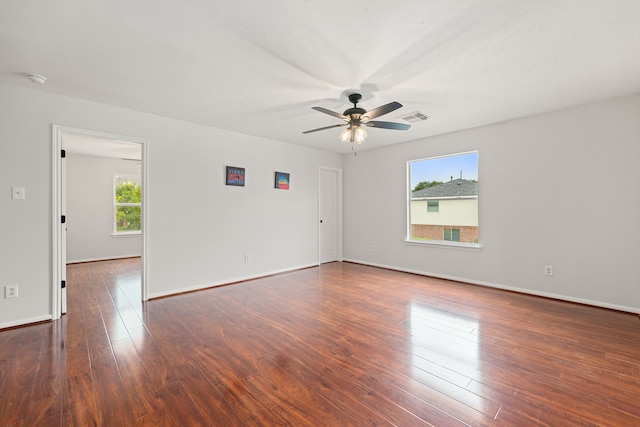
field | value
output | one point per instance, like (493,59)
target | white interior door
(328,207)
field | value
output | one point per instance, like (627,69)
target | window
(448,186)
(127,204)
(452,234)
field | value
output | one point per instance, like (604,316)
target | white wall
(558,189)
(90,209)
(199,229)
(548,185)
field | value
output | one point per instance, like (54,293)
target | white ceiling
(256,66)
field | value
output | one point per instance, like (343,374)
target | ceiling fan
(356,117)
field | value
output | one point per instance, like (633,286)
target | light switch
(17,193)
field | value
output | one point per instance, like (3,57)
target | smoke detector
(36,78)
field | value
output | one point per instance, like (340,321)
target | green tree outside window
(128,198)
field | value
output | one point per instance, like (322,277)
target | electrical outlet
(10,291)
(548,270)
(246,258)
(373,248)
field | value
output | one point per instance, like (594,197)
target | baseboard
(25,322)
(230,281)
(503,287)
(80,261)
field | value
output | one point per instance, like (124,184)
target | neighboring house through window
(443,199)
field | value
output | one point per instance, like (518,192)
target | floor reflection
(116,285)
(445,354)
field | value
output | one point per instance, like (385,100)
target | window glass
(452,234)
(447,185)
(127,204)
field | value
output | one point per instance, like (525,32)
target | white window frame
(114,221)
(443,243)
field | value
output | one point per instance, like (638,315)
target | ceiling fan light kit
(354,134)
(355,117)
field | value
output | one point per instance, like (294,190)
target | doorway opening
(114,155)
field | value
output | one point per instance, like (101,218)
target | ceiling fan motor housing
(355,112)
(354,98)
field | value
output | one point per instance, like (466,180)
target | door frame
(338,212)
(57,133)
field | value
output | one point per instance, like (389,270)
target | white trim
(228,281)
(408,189)
(126,234)
(56,212)
(559,297)
(445,244)
(57,132)
(24,321)
(444,198)
(462,153)
(144,146)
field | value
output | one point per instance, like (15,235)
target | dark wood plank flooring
(338,345)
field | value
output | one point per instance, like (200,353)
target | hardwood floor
(338,345)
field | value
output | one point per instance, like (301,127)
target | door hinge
(63,153)
(64,284)
(63,220)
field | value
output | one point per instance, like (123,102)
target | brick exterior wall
(468,234)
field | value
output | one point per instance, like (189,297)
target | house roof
(453,188)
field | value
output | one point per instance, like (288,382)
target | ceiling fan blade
(326,127)
(384,109)
(331,113)
(388,125)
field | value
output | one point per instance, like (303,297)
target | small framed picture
(281,181)
(235,176)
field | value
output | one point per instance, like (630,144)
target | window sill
(126,234)
(445,244)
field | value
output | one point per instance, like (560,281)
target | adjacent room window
(127,204)
(448,186)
